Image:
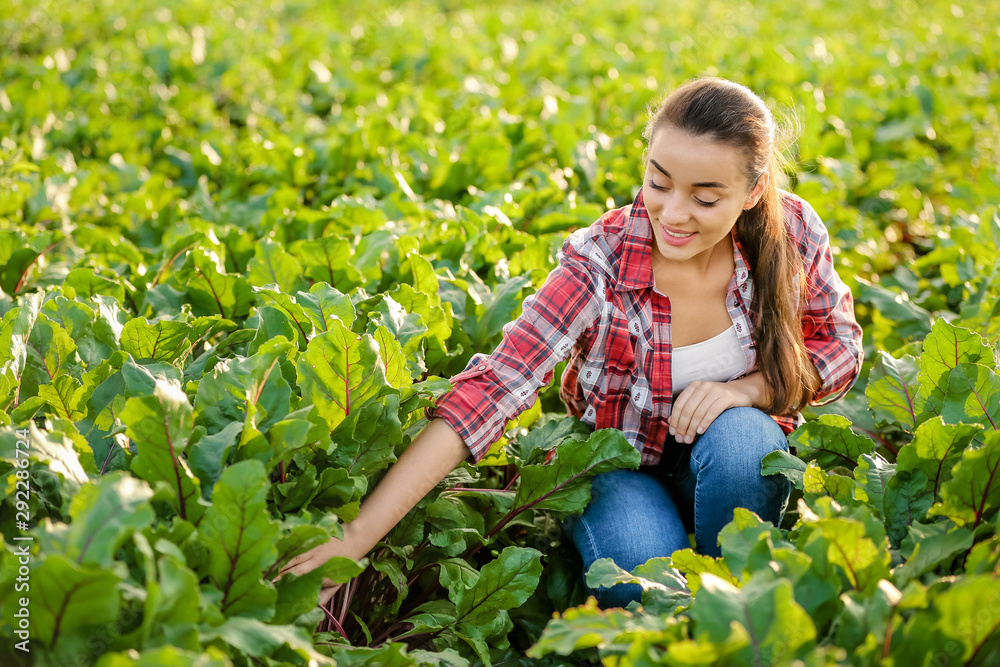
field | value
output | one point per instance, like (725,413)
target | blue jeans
(635,515)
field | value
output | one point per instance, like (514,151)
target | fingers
(696,408)
(328,590)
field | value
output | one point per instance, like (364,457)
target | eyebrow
(696,185)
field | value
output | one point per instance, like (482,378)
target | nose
(673,208)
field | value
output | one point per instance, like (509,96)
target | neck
(698,266)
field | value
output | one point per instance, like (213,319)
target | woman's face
(694,190)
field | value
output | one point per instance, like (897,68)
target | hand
(702,402)
(312,559)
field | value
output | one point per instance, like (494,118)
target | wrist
(754,387)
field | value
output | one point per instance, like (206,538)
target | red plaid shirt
(598,308)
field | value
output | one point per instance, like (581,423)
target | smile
(673,238)
(676,235)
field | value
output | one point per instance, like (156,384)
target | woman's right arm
(493,390)
(434,453)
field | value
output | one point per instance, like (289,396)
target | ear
(757,191)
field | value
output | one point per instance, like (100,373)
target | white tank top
(717,359)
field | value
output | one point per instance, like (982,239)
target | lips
(676,237)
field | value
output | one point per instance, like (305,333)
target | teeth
(676,236)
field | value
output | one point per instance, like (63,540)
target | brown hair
(732,114)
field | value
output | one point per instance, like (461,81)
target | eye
(653,185)
(706,204)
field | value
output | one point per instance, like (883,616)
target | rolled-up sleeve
(495,388)
(831,332)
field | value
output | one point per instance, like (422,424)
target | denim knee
(725,473)
(630,519)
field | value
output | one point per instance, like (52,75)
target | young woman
(698,320)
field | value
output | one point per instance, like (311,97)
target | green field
(243,246)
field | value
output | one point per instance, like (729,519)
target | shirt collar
(742,272)
(636,270)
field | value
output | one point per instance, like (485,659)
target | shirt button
(482,368)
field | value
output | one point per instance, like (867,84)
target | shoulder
(804,224)
(599,248)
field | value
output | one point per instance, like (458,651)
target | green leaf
(291,495)
(910,320)
(935,449)
(339,371)
(367,438)
(271,323)
(445,658)
(328,259)
(816,586)
(397,372)
(240,537)
(288,306)
(960,626)
(51,354)
(819,482)
(454,526)
(84,282)
(56,450)
(342,569)
(533,446)
(172,594)
(503,584)
(563,484)
(406,328)
(872,475)
(973,396)
(208,455)
(68,597)
(780,462)
(694,565)
(907,499)
(212,290)
(493,309)
(299,538)
(829,441)
(105,514)
(15,269)
(933,551)
(322,304)
(166,656)
(66,396)
(587,627)
(974,487)
(417,269)
(15,331)
(271,264)
(779,628)
(94,335)
(664,588)
(388,655)
(437,320)
(164,340)
(258,639)
(248,390)
(863,559)
(892,389)
(456,575)
(947,347)
(740,536)
(161,425)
